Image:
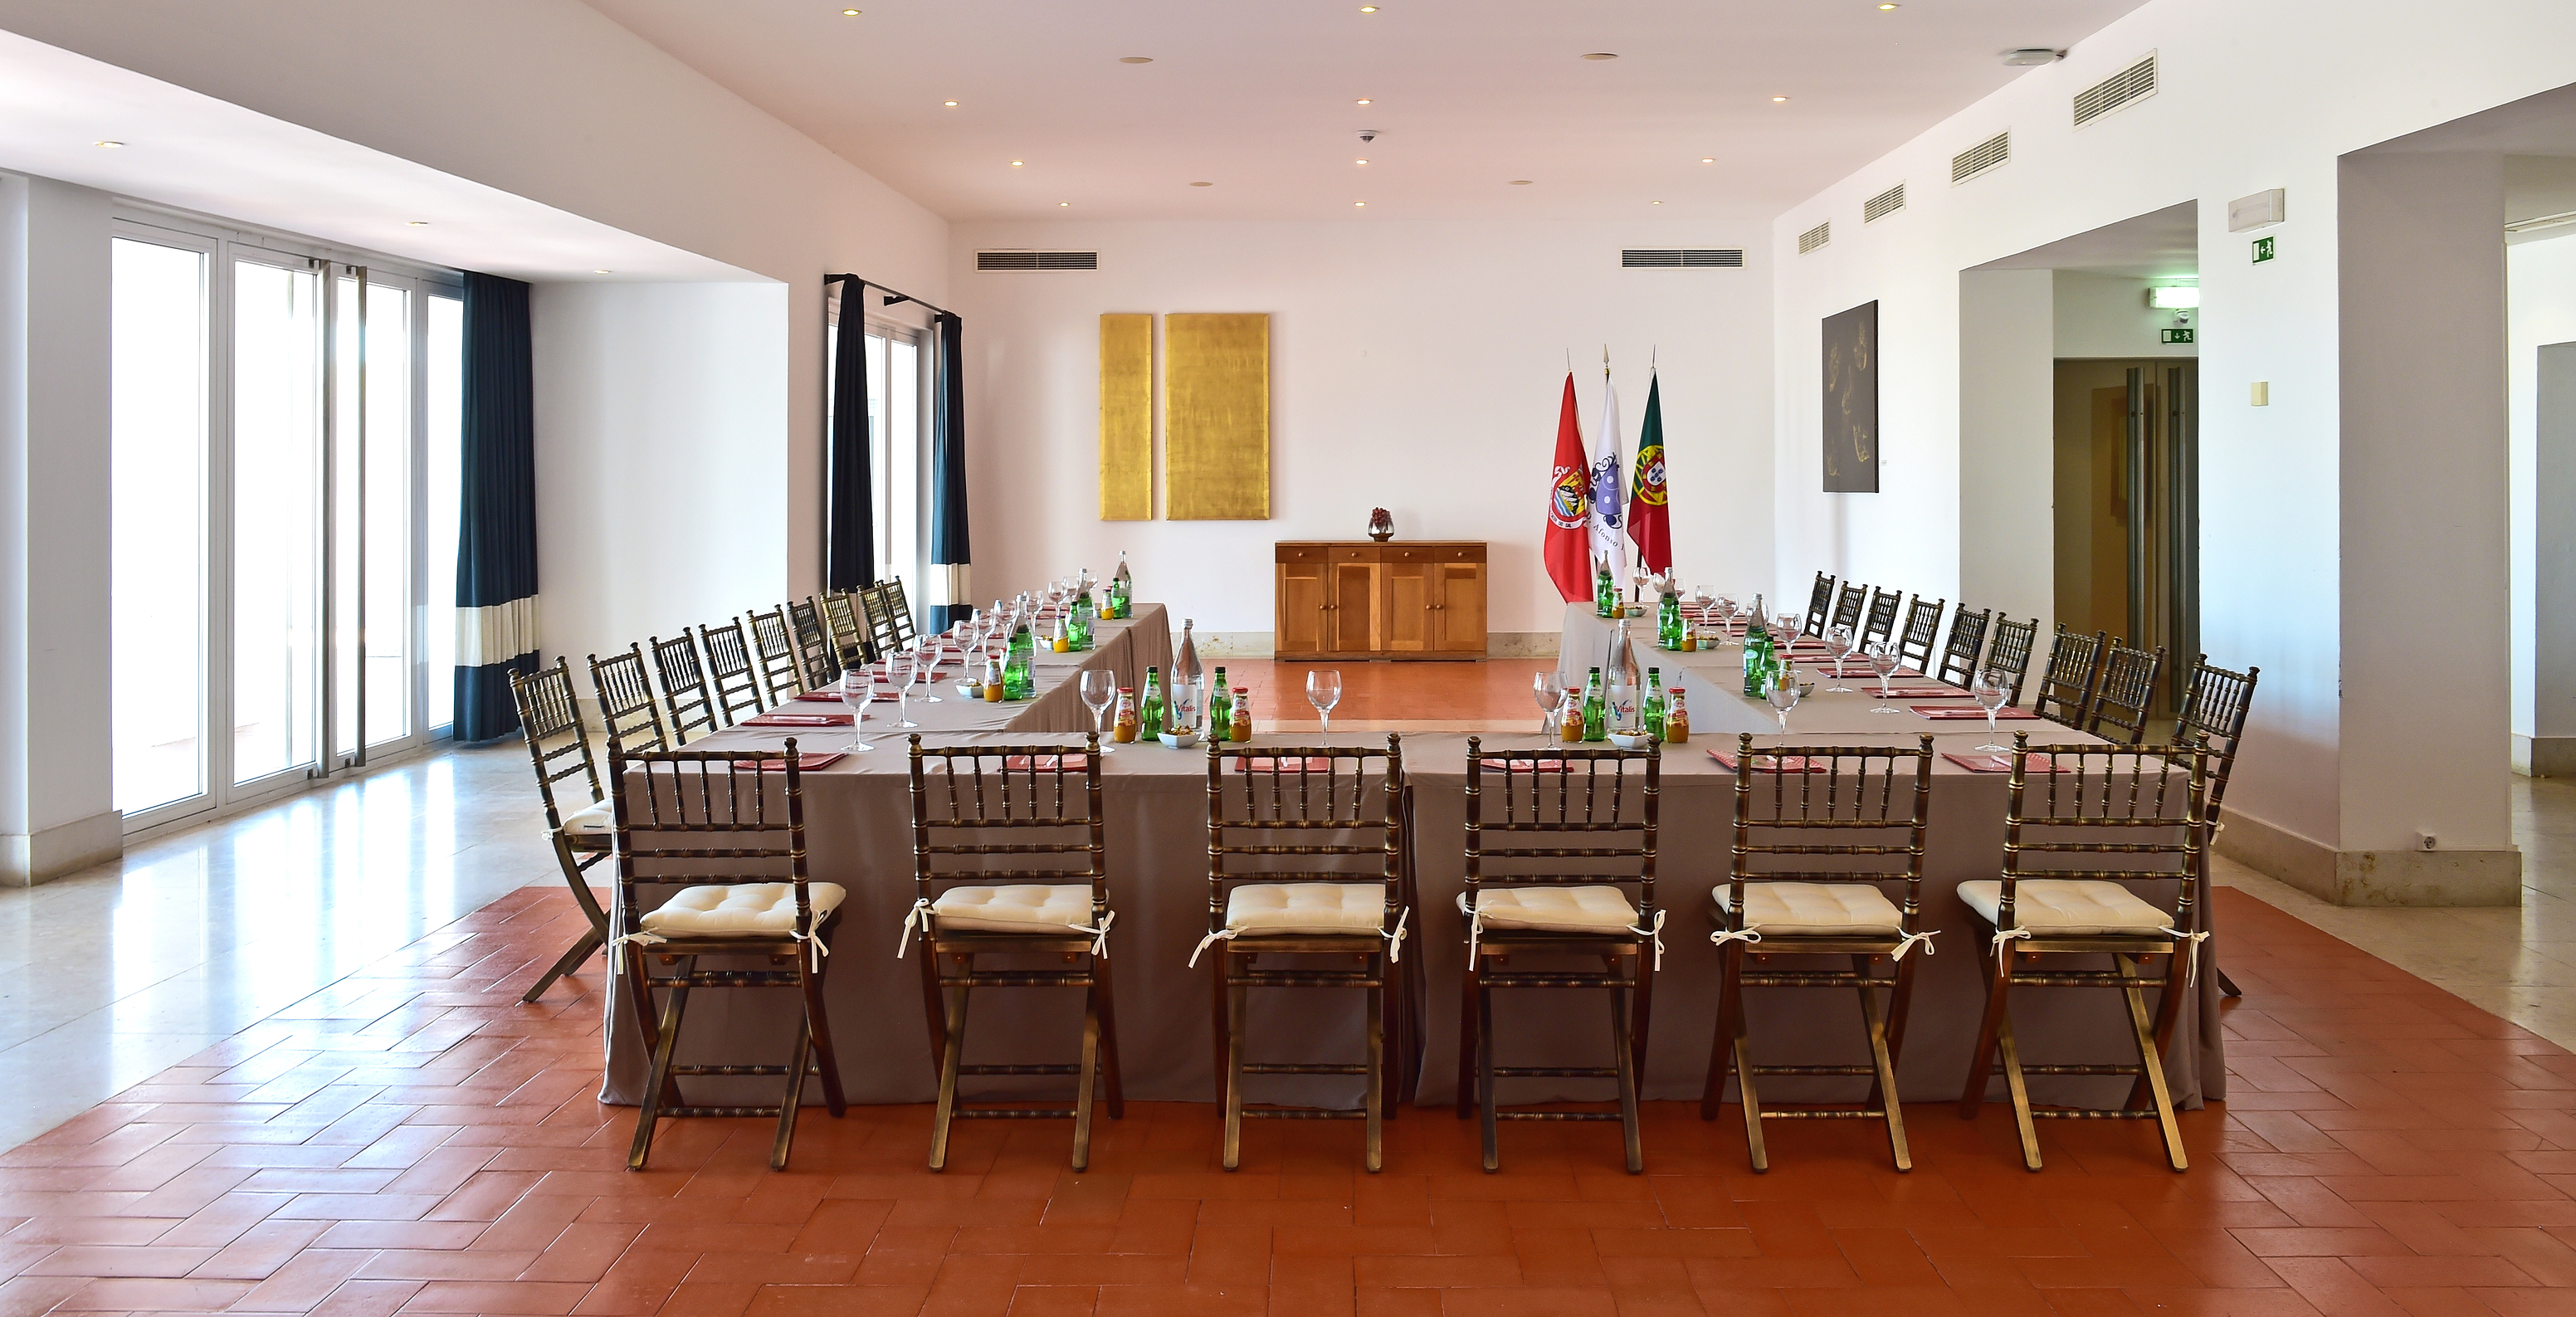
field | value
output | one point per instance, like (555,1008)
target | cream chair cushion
(2068,907)
(739,909)
(1557,909)
(1015,908)
(1816,909)
(595,822)
(1258,908)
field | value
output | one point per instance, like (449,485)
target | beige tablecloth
(859,834)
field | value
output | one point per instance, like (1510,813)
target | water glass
(858,689)
(899,673)
(1099,691)
(1549,691)
(1992,690)
(1324,690)
(1842,640)
(1882,660)
(1784,697)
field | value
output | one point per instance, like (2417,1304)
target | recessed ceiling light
(1520,182)
(950,104)
(1017,163)
(1368,9)
(107,144)
(1363,100)
(1601,54)
(1774,100)
(1062,204)
(1359,203)
(1202,185)
(418,224)
(1658,203)
(1135,59)
(1359,162)
(1888,6)
(849,13)
(603,272)
(1708,160)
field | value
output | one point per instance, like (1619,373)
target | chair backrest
(1967,636)
(850,640)
(898,609)
(1847,605)
(874,612)
(993,814)
(2066,684)
(1921,632)
(1832,814)
(2010,654)
(1820,602)
(2121,698)
(2112,814)
(708,817)
(773,651)
(1881,622)
(815,663)
(2214,708)
(557,742)
(684,687)
(1305,814)
(729,670)
(626,704)
(1561,805)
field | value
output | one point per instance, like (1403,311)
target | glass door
(160,375)
(277,521)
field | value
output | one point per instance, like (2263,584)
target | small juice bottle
(1124,730)
(1676,719)
(1569,721)
(1242,728)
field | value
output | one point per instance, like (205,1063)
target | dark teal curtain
(849,514)
(950,551)
(496,551)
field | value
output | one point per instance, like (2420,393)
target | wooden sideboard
(1360,599)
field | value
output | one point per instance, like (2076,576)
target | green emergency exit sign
(2177,335)
(2262,250)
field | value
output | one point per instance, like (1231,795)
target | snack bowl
(1182,740)
(971,690)
(1629,740)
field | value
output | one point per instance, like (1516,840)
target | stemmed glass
(1784,697)
(1699,601)
(1099,691)
(1992,690)
(1549,691)
(858,688)
(925,668)
(1324,690)
(899,674)
(1842,640)
(1786,626)
(1882,660)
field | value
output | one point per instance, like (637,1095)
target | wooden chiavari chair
(685,695)
(727,828)
(1819,603)
(2127,687)
(816,665)
(1007,805)
(730,672)
(1921,633)
(1290,849)
(2214,708)
(1821,834)
(2010,654)
(1967,636)
(877,616)
(2074,669)
(850,641)
(626,706)
(583,835)
(2083,825)
(1847,605)
(1881,622)
(1524,899)
(773,654)
(898,609)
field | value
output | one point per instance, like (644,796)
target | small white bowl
(1180,740)
(1628,740)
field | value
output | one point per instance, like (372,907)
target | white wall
(2272,582)
(2007,445)
(2540,303)
(2106,315)
(1414,365)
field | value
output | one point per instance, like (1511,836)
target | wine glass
(1784,697)
(1841,639)
(1099,691)
(899,673)
(1699,600)
(858,689)
(1549,690)
(925,668)
(1992,690)
(1787,624)
(1882,660)
(1324,690)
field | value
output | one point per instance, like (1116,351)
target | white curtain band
(496,633)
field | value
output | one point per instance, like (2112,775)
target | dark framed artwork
(1851,401)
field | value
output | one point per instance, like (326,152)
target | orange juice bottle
(1241,730)
(1676,719)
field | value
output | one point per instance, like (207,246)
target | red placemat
(1268,764)
(1550,765)
(1897,692)
(798,720)
(1046,763)
(1991,762)
(834,697)
(1954,713)
(1863,672)
(805,763)
(1793,764)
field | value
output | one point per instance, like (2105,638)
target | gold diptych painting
(1216,416)
(1126,417)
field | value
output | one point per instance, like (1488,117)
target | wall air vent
(1815,237)
(1034,260)
(2126,87)
(1681,258)
(1987,155)
(1884,204)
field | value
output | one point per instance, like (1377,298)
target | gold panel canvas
(1126,417)
(1216,416)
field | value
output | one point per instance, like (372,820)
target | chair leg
(1220,1016)
(951,1055)
(1114,1089)
(1623,1047)
(799,1063)
(834,1100)
(1469,1040)
(1230,1079)
(1640,1008)
(933,1000)
(582,949)
(1754,1146)
(2226,986)
(1377,1068)
(1483,1004)
(2019,1088)
(1981,1062)
(1090,1071)
(1883,1089)
(2151,1058)
(659,1077)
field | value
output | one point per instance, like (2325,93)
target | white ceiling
(2161,244)
(1257,97)
(192,151)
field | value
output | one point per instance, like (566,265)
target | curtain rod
(892,297)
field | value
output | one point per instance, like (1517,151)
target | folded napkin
(1953,713)
(1862,671)
(1899,691)
(798,720)
(1266,764)
(805,763)
(1074,763)
(1775,763)
(832,695)
(2002,763)
(1548,765)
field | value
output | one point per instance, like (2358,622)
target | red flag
(1569,507)
(1649,519)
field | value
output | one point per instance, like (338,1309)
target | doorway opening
(2127,523)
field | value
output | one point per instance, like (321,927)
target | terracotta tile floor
(411,1139)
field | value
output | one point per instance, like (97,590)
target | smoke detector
(1368,134)
(2029,55)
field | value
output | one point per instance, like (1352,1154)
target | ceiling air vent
(1988,154)
(1681,258)
(1815,237)
(1884,204)
(1029,260)
(2134,83)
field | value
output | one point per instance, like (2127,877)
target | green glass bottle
(1668,621)
(1220,703)
(1122,588)
(1019,675)
(1757,658)
(1077,627)
(1605,593)
(1650,710)
(1596,709)
(1149,706)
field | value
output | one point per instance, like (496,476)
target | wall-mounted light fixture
(2182,298)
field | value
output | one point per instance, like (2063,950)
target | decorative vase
(1381,525)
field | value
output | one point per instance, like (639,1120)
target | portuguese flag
(1569,504)
(1649,519)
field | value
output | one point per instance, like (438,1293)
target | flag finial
(1605,361)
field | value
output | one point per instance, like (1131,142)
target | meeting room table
(858,821)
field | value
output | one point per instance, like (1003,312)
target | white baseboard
(2373,878)
(27,859)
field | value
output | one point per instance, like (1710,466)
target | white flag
(1609,492)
